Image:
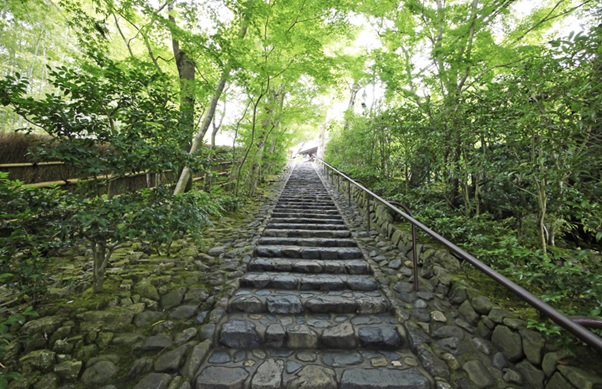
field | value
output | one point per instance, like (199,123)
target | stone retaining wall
(535,358)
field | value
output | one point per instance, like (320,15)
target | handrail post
(349,193)
(367,209)
(415,258)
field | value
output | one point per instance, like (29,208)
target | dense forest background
(492,137)
(482,116)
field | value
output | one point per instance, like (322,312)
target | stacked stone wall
(518,349)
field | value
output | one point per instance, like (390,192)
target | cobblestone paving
(309,313)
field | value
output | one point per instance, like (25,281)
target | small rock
(268,375)
(314,377)
(451,360)
(170,361)
(438,316)
(240,334)
(156,342)
(340,336)
(47,381)
(154,381)
(482,305)
(195,358)
(533,345)
(99,373)
(448,332)
(432,364)
(214,377)
(478,374)
(379,362)
(301,337)
(47,325)
(275,336)
(147,290)
(384,379)
(533,378)
(509,342)
(512,377)
(579,377)
(337,359)
(468,312)
(558,381)
(139,367)
(68,370)
(379,337)
(216,251)
(183,312)
(40,360)
(147,318)
(173,298)
(185,336)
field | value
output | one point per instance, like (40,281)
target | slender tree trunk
(186,73)
(198,138)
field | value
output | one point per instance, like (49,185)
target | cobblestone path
(309,313)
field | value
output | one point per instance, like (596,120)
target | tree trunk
(100,265)
(198,138)
(186,73)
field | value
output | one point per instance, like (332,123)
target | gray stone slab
(288,304)
(240,334)
(154,381)
(383,378)
(219,377)
(268,375)
(314,377)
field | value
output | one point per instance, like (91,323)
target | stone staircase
(309,313)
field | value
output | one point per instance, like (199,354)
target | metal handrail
(579,331)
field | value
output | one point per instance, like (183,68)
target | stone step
(305,281)
(306,205)
(303,220)
(321,211)
(342,331)
(286,368)
(306,215)
(303,233)
(333,266)
(306,226)
(307,242)
(304,201)
(290,302)
(306,198)
(308,252)
(293,195)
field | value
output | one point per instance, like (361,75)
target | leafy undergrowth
(567,277)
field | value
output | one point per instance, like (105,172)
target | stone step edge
(282,232)
(243,333)
(309,282)
(324,253)
(306,242)
(316,302)
(310,266)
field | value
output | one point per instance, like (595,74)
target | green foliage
(6,323)
(124,107)
(225,200)
(153,216)
(28,219)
